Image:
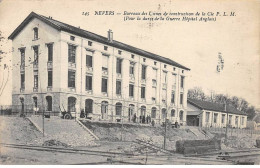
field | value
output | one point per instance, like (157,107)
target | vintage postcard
(113,82)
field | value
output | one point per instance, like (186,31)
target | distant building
(209,114)
(59,66)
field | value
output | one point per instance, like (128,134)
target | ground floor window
(223,118)
(173,113)
(215,117)
(49,103)
(243,120)
(71,104)
(131,113)
(104,109)
(236,120)
(118,109)
(163,113)
(229,120)
(89,106)
(153,112)
(207,116)
(143,110)
(181,115)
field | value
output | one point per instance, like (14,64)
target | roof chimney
(110,36)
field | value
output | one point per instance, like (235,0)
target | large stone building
(209,114)
(59,66)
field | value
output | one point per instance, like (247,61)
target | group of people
(142,119)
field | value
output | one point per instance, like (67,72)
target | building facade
(209,114)
(59,67)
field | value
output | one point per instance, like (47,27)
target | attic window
(119,52)
(35,30)
(174,68)
(154,62)
(72,38)
(144,59)
(165,66)
(182,71)
(90,43)
(132,56)
(105,48)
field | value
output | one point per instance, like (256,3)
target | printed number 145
(85,13)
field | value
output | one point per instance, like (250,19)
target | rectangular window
(131,68)
(143,72)
(22,57)
(164,77)
(143,92)
(223,118)
(71,79)
(105,48)
(104,62)
(181,98)
(88,60)
(132,56)
(36,55)
(243,120)
(182,81)
(164,94)
(88,82)
(131,90)
(104,85)
(72,53)
(153,93)
(119,66)
(22,81)
(50,52)
(35,33)
(118,87)
(230,119)
(173,97)
(49,78)
(236,121)
(90,43)
(215,117)
(119,52)
(154,74)
(174,79)
(36,81)
(207,116)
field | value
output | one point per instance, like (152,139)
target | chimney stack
(110,36)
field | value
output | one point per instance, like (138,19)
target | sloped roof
(92,36)
(205,105)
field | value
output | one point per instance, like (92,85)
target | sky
(193,44)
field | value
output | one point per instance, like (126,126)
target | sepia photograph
(113,82)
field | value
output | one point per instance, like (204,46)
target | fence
(27,110)
(231,131)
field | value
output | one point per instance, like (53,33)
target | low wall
(197,146)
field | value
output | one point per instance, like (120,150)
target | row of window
(118,109)
(106,48)
(35,64)
(89,64)
(104,85)
(223,118)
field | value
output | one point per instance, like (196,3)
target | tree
(197,93)
(250,112)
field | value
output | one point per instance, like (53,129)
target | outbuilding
(210,114)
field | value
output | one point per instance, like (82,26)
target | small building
(209,114)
